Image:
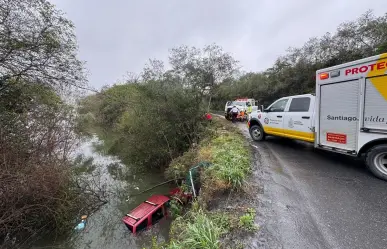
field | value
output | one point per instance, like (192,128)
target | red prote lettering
(372,66)
(380,65)
(363,69)
(355,70)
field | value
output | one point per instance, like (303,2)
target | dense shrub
(38,66)
(38,190)
(156,117)
(155,122)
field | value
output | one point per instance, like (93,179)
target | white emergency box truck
(347,115)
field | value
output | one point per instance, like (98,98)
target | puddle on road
(104,228)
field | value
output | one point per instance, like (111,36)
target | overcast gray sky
(119,36)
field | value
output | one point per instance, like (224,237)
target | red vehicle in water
(147,213)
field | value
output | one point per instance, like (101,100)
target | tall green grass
(196,231)
(225,147)
(231,159)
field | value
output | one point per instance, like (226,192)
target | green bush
(247,221)
(158,116)
(226,221)
(147,124)
(204,233)
(197,231)
(175,208)
(179,166)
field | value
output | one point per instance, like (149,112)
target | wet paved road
(316,199)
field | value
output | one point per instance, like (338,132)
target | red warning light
(324,76)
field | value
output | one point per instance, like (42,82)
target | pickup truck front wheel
(376,161)
(257,133)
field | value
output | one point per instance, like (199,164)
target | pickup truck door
(274,117)
(298,120)
(227,104)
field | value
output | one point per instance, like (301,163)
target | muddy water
(104,228)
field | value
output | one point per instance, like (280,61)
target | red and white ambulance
(347,115)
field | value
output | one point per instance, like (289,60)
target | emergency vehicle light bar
(324,76)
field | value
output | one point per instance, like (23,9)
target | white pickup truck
(241,104)
(347,115)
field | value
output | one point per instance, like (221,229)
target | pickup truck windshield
(241,103)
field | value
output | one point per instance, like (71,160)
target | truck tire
(376,160)
(257,133)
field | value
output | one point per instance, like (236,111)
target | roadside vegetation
(203,225)
(230,158)
(225,148)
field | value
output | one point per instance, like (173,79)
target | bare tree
(202,69)
(38,64)
(38,45)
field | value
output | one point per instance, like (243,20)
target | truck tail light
(324,76)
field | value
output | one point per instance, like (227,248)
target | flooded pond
(104,228)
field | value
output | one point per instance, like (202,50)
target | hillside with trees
(294,72)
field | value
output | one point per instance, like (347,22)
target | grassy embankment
(205,226)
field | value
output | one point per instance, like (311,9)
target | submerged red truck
(147,213)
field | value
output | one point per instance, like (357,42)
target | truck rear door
(375,103)
(339,108)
